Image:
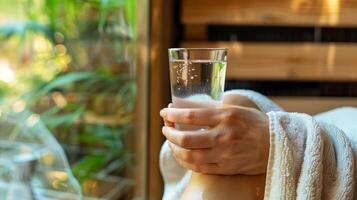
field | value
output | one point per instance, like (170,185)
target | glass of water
(197,76)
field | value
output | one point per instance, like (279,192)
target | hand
(237,141)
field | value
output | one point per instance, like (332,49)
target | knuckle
(199,156)
(230,116)
(219,137)
(187,156)
(228,136)
(232,136)
(189,116)
(184,140)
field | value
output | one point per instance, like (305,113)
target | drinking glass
(197,77)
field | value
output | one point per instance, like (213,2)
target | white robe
(310,157)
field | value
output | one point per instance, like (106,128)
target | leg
(211,187)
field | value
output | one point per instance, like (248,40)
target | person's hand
(237,141)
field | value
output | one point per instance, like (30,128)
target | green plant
(65,73)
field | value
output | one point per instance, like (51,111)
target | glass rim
(199,49)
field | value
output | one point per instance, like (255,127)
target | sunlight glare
(7,75)
(333,11)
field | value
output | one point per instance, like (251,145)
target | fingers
(168,124)
(198,116)
(196,156)
(189,139)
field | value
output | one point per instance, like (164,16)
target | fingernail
(163,113)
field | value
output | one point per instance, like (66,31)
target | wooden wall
(270,12)
(314,58)
(299,62)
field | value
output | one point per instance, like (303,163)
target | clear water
(197,77)
(196,83)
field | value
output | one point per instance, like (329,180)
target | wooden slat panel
(313,105)
(304,61)
(195,32)
(270,12)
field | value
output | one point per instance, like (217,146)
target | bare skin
(237,143)
(234,187)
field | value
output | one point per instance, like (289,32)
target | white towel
(309,158)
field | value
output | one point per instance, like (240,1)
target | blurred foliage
(73,61)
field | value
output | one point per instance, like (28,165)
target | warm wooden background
(270,12)
(300,62)
(279,61)
(187,23)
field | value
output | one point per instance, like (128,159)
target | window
(68,76)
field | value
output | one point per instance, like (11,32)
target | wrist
(239,100)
